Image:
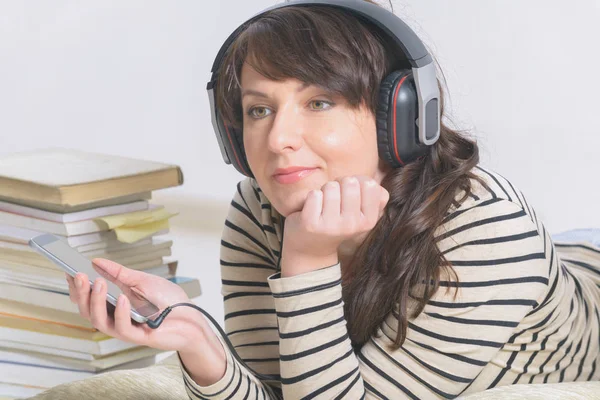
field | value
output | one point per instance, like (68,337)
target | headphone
(408,110)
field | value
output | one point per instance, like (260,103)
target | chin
(290,203)
(288,199)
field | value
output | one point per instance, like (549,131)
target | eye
(258,112)
(320,105)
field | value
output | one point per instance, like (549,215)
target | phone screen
(72,262)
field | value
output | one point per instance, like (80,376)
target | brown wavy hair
(398,267)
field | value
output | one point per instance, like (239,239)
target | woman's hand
(183,327)
(339,211)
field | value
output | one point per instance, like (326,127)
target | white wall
(128,77)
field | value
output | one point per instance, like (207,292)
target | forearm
(316,356)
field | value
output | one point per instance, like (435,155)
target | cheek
(339,142)
(254,149)
(335,140)
(352,148)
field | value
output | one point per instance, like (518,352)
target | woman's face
(288,124)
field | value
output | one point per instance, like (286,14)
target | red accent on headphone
(233,148)
(394,119)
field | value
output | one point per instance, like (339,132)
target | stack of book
(100,205)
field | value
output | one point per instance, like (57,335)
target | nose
(286,134)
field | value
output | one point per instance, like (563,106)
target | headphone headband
(398,31)
(404,38)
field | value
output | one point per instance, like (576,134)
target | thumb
(114,271)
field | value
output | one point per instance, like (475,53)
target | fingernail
(97,286)
(78,283)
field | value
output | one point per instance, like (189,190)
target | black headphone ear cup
(239,140)
(235,148)
(397,113)
(384,106)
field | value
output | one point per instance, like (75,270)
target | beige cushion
(549,391)
(164,381)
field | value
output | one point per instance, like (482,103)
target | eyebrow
(251,92)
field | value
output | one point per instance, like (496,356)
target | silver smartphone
(69,259)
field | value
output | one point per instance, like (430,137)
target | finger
(331,199)
(82,285)
(370,201)
(123,326)
(350,198)
(98,314)
(72,289)
(311,212)
(115,271)
(385,198)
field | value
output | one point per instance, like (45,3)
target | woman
(344,277)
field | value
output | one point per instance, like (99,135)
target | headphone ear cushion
(239,143)
(235,148)
(385,136)
(396,119)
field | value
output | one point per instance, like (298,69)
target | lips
(292,174)
(289,170)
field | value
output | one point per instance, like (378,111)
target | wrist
(205,360)
(296,263)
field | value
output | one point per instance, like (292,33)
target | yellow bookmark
(131,227)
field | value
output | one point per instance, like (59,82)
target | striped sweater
(527,311)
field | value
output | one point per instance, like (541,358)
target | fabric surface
(522,314)
(550,391)
(164,382)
